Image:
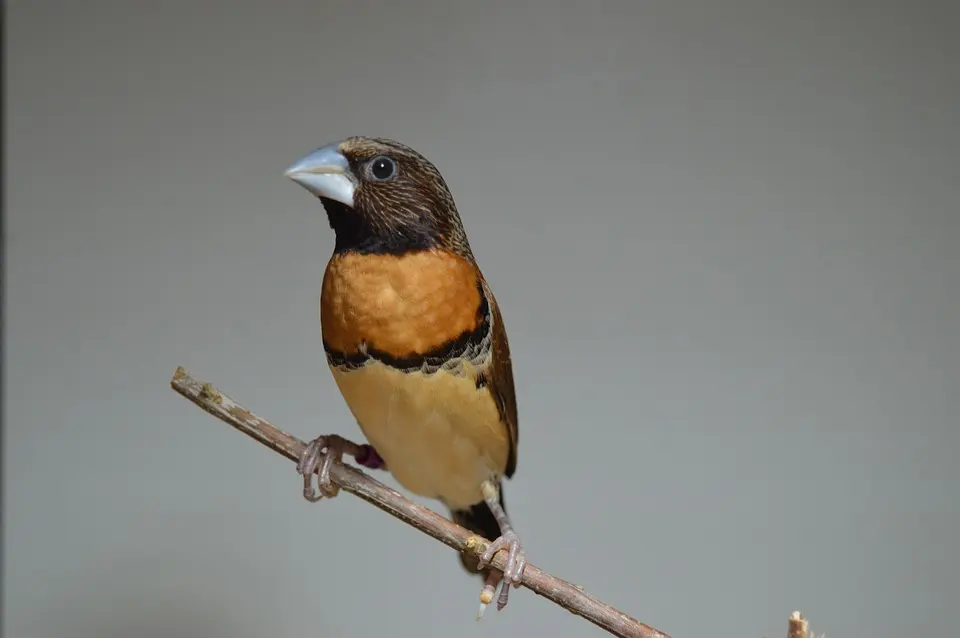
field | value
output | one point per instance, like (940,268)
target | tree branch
(569,596)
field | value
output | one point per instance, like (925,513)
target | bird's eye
(383,168)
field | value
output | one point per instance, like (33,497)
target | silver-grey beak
(326,173)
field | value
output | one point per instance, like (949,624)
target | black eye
(382,168)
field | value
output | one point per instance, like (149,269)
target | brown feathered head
(381,197)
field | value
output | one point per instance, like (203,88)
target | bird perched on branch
(416,343)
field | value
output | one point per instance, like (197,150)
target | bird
(416,344)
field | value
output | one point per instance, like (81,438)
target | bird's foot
(513,570)
(319,456)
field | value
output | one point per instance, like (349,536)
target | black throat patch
(355,233)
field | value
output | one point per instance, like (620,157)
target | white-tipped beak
(326,173)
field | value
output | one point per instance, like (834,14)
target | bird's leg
(320,454)
(516,557)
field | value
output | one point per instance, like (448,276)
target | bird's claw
(513,570)
(516,557)
(319,456)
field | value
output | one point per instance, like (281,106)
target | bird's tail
(479,520)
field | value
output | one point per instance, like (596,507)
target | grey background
(724,235)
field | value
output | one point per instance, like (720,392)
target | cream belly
(440,436)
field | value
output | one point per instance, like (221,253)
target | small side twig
(569,596)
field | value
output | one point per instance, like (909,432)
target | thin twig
(567,595)
(797,626)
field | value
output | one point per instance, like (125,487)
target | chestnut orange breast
(400,305)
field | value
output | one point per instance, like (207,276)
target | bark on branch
(569,596)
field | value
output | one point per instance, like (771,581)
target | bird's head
(381,197)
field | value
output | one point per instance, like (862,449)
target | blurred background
(725,237)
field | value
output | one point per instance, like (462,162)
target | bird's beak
(326,173)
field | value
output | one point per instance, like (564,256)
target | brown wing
(500,379)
